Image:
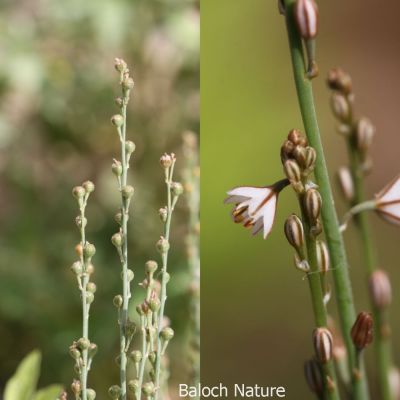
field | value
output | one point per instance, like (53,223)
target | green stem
(329,217)
(382,341)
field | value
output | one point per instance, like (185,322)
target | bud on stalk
(365,132)
(340,107)
(312,204)
(340,81)
(294,232)
(380,289)
(346,183)
(362,330)
(323,344)
(312,372)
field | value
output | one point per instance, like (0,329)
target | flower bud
(133,385)
(294,231)
(167,333)
(128,83)
(114,392)
(90,269)
(162,245)
(163,213)
(323,256)
(118,217)
(299,154)
(83,343)
(76,387)
(119,101)
(117,120)
(89,297)
(380,289)
(91,394)
(177,188)
(154,304)
(287,150)
(88,186)
(118,301)
(310,159)
(153,357)
(130,146)
(116,168)
(80,222)
(346,183)
(91,287)
(74,352)
(89,250)
(340,107)
(136,356)
(306,16)
(120,65)
(151,267)
(296,137)
(130,275)
(148,388)
(365,132)
(117,239)
(312,372)
(362,330)
(292,171)
(130,328)
(312,204)
(78,192)
(323,343)
(127,191)
(76,268)
(340,81)
(166,160)
(92,350)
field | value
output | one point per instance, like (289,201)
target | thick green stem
(329,218)
(382,341)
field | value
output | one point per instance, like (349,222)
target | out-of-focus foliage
(22,385)
(57,85)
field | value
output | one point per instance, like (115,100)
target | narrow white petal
(235,199)
(248,191)
(257,226)
(268,211)
(391,192)
(391,212)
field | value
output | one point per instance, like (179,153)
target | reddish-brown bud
(312,372)
(339,80)
(323,344)
(380,289)
(312,204)
(296,137)
(306,16)
(362,330)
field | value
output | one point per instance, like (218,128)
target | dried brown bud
(323,256)
(380,289)
(296,137)
(323,344)
(365,132)
(312,204)
(312,372)
(339,80)
(294,231)
(306,16)
(346,184)
(340,107)
(362,330)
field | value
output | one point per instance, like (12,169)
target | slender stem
(329,217)
(382,341)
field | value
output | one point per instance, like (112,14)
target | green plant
(22,385)
(82,350)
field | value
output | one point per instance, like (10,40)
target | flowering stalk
(120,239)
(82,351)
(165,333)
(358,135)
(329,218)
(191,179)
(299,162)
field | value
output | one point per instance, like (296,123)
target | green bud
(118,217)
(130,146)
(119,101)
(78,192)
(91,394)
(89,297)
(167,333)
(167,277)
(83,343)
(154,304)
(74,352)
(117,120)
(128,83)
(151,267)
(117,239)
(90,269)
(163,213)
(130,328)
(76,268)
(88,186)
(133,385)
(127,191)
(162,245)
(91,287)
(153,357)
(118,301)
(80,222)
(177,188)
(148,388)
(166,160)
(130,275)
(116,168)
(114,392)
(120,65)
(92,351)
(136,356)
(89,250)
(140,310)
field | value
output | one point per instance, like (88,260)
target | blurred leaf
(48,393)
(23,383)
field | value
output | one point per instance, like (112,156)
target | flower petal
(390,193)
(390,212)
(248,191)
(268,211)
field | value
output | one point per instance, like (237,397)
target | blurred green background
(57,89)
(256,311)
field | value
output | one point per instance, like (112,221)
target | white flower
(388,201)
(255,206)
